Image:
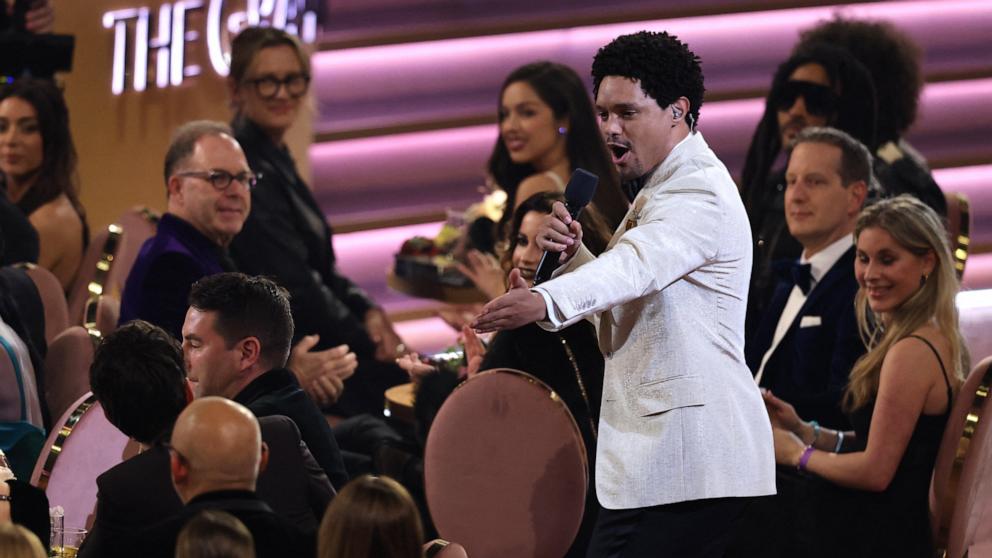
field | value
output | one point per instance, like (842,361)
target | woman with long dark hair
(548,129)
(38,169)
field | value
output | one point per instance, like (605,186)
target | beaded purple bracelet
(804,459)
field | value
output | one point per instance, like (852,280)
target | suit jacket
(274,536)
(278,393)
(138,492)
(681,417)
(157,288)
(287,237)
(810,366)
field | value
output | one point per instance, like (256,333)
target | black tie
(802,277)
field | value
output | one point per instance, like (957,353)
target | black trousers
(698,528)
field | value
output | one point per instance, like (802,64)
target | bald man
(215,457)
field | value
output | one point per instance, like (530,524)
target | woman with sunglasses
(286,236)
(818,86)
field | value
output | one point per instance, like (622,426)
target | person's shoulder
(57,217)
(923,349)
(536,183)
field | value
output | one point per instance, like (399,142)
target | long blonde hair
(919,230)
(18,542)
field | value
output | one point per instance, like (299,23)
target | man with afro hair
(684,440)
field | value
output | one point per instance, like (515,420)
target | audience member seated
(22,333)
(807,340)
(547,129)
(39,170)
(373,517)
(18,239)
(286,237)
(818,86)
(868,490)
(23,505)
(139,378)
(236,341)
(215,455)
(215,534)
(208,180)
(18,542)
(568,361)
(893,61)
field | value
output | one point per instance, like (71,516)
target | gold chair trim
(971,421)
(962,242)
(64,432)
(95,286)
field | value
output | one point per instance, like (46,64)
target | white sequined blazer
(681,417)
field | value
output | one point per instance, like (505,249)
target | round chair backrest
(67,369)
(962,463)
(505,468)
(81,446)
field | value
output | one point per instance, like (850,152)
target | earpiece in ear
(676,113)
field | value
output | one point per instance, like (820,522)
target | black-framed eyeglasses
(221,179)
(820,100)
(267,87)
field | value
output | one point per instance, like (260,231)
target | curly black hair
(892,59)
(664,65)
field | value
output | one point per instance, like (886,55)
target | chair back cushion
(505,468)
(82,446)
(52,299)
(67,369)
(963,463)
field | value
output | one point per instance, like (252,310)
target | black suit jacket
(278,393)
(287,237)
(810,366)
(274,535)
(138,492)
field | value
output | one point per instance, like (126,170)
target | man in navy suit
(808,339)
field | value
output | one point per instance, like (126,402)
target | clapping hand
(322,373)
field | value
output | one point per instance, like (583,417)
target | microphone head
(580,189)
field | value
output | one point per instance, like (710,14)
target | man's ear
(857,192)
(680,110)
(173,188)
(263,461)
(251,352)
(179,469)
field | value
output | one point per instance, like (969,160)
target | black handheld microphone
(578,194)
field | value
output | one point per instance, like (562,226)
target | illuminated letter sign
(172,35)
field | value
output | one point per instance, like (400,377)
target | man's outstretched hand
(518,307)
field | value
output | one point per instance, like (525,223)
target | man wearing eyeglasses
(818,86)
(209,185)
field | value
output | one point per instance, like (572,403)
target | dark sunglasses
(820,100)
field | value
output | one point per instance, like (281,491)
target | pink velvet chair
(52,298)
(81,446)
(505,468)
(93,270)
(137,224)
(67,369)
(961,490)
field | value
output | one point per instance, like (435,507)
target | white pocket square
(810,321)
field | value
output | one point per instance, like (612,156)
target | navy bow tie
(802,276)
